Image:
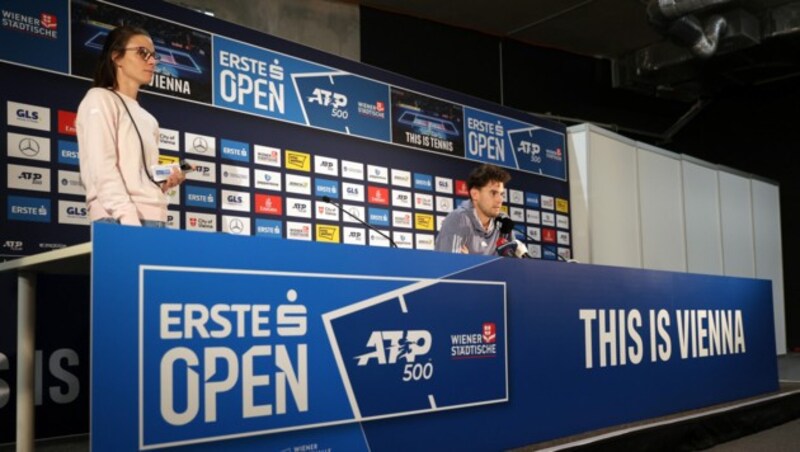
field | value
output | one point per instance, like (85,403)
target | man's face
(488,199)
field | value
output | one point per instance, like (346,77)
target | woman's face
(136,63)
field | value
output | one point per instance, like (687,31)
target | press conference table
(71,260)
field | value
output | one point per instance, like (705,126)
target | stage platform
(717,425)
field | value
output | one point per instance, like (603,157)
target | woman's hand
(175,178)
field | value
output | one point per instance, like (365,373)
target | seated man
(471,228)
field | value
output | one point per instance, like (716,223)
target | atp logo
(390,346)
(328,98)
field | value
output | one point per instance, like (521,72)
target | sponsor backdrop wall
(272,128)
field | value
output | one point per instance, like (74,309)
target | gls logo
(390,346)
(27,115)
(328,98)
(77,211)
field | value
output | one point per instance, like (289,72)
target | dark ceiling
(759,45)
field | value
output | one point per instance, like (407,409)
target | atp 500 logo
(336,101)
(389,347)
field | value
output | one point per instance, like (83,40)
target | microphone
(506,224)
(328,200)
(506,248)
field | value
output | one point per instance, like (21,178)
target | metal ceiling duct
(676,19)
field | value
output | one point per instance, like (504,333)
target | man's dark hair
(105,74)
(482,175)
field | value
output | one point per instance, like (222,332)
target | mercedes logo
(200,145)
(29,147)
(236,226)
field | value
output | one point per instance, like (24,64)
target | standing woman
(118,139)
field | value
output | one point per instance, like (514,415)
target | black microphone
(328,200)
(506,224)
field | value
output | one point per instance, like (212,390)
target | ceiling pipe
(675,19)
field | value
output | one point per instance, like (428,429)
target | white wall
(635,205)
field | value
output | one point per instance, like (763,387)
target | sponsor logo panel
(24,208)
(423,221)
(548,219)
(204,171)
(517,214)
(444,204)
(266,155)
(549,252)
(202,222)
(236,200)
(444,185)
(535,251)
(401,219)
(30,147)
(425,242)
(352,170)
(327,233)
(169,140)
(534,233)
(532,200)
(235,150)
(326,187)
(378,174)
(235,175)
(236,225)
(401,178)
(69,182)
(356,211)
(352,192)
(173,219)
(401,198)
(562,205)
(268,180)
(23,177)
(461,188)
(298,161)
(73,212)
(199,144)
(269,204)
(423,182)
(376,239)
(516,197)
(548,202)
(174,196)
(378,195)
(563,238)
(562,221)
(403,239)
(66,123)
(196,196)
(68,152)
(354,236)
(423,202)
(269,228)
(548,235)
(28,116)
(298,231)
(326,165)
(296,207)
(326,211)
(532,216)
(300,185)
(378,217)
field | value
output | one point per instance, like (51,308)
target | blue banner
(39,32)
(345,103)
(258,81)
(286,351)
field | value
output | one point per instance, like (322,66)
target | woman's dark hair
(484,174)
(105,75)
